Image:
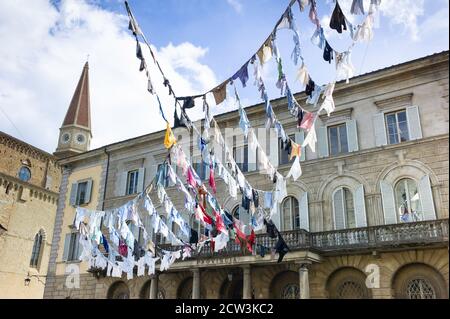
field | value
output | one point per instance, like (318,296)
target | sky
(199,44)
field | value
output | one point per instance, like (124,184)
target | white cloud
(42,61)
(236,5)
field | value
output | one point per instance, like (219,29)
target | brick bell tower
(75,133)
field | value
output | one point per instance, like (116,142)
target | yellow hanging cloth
(169,139)
(296,150)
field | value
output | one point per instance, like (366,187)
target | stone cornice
(25,148)
(35,191)
(396,101)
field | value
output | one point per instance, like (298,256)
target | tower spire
(75,132)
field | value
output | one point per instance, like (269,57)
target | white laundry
(81,214)
(311,139)
(296,169)
(328,103)
(163,229)
(365,30)
(281,191)
(116,270)
(344,66)
(150,262)
(186,252)
(220,241)
(141,267)
(241,179)
(232,186)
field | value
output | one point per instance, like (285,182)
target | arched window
(407,200)
(37,249)
(290,213)
(290,291)
(343,209)
(235,212)
(420,288)
(118,290)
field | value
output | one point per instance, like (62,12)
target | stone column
(196,283)
(154,287)
(304,281)
(247,284)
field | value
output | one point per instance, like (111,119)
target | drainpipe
(106,179)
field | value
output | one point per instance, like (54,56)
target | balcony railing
(373,237)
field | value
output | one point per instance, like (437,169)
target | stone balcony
(384,237)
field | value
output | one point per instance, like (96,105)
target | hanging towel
(242,74)
(220,92)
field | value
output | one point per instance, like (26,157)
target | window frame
(293,215)
(282,151)
(397,126)
(419,214)
(73,247)
(78,200)
(36,252)
(132,189)
(339,127)
(344,206)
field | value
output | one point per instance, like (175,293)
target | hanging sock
(357,7)
(169,139)
(337,21)
(328,52)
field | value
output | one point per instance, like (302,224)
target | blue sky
(200,43)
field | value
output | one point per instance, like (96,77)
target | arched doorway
(145,291)
(185,289)
(419,281)
(232,289)
(348,283)
(118,290)
(285,285)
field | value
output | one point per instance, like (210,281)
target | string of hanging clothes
(219,219)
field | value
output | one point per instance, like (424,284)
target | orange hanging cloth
(296,150)
(169,139)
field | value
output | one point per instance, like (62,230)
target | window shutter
(251,157)
(123,183)
(304,213)
(274,149)
(387,195)
(87,198)
(338,208)
(352,136)
(413,119)
(299,138)
(73,194)
(360,207)
(141,176)
(66,247)
(322,140)
(426,198)
(379,129)
(78,247)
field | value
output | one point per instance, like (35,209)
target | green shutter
(73,194)
(66,247)
(379,129)
(338,209)
(87,198)
(304,212)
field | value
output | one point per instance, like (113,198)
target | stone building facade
(29,186)
(367,219)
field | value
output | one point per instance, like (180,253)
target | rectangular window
(337,139)
(283,153)
(81,193)
(132,182)
(74,247)
(240,155)
(397,127)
